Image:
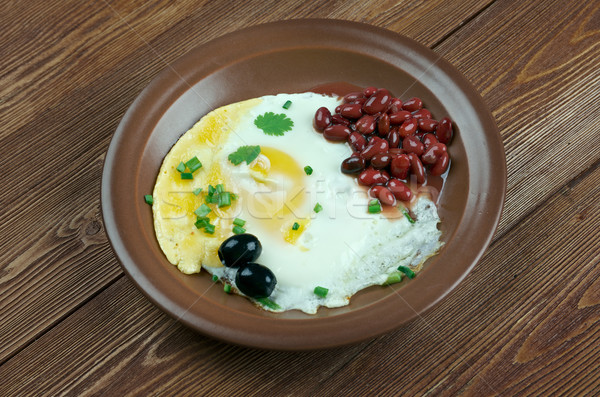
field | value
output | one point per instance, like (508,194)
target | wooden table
(525,321)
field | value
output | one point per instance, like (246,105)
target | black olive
(254,280)
(239,249)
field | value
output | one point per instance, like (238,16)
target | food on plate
(254,195)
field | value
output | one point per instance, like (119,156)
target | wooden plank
(66,82)
(525,321)
(536,65)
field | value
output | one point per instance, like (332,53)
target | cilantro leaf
(274,124)
(244,153)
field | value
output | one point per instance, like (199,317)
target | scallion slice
(321,291)
(187,175)
(180,167)
(193,164)
(268,303)
(374,206)
(197,191)
(238,230)
(393,278)
(295,226)
(287,104)
(239,222)
(227,288)
(215,278)
(409,273)
(202,211)
(149,199)
(210,229)
(224,199)
(407,215)
(308,169)
(219,188)
(202,222)
(318,208)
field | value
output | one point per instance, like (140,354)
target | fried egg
(315,229)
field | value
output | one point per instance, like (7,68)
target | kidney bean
(378,102)
(412,144)
(360,100)
(428,125)
(366,124)
(431,155)
(374,190)
(441,165)
(357,141)
(370,176)
(413,104)
(375,145)
(336,132)
(351,110)
(409,127)
(383,124)
(386,196)
(395,152)
(399,189)
(417,168)
(393,137)
(369,91)
(422,114)
(395,105)
(338,108)
(399,117)
(380,160)
(429,140)
(339,119)
(322,118)
(444,130)
(353,96)
(353,165)
(399,166)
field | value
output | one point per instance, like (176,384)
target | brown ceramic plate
(293,56)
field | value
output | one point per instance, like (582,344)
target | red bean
(399,189)
(357,141)
(370,176)
(338,108)
(399,117)
(351,110)
(339,119)
(409,127)
(375,145)
(441,165)
(393,137)
(378,102)
(322,118)
(431,155)
(395,152)
(374,190)
(429,140)
(417,168)
(380,160)
(360,100)
(413,104)
(395,105)
(353,165)
(412,144)
(444,131)
(369,91)
(383,124)
(366,124)
(400,166)
(386,196)
(336,132)
(353,96)
(428,125)
(422,114)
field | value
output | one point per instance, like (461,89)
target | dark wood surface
(525,321)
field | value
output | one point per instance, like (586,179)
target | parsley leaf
(244,153)
(274,124)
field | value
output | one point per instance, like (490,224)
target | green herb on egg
(407,215)
(374,206)
(321,291)
(409,273)
(149,199)
(274,124)
(308,169)
(295,226)
(244,153)
(287,104)
(238,230)
(318,208)
(393,278)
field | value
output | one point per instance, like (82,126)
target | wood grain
(66,82)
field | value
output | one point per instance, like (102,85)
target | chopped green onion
(308,169)
(295,226)
(318,208)
(287,104)
(219,188)
(224,199)
(233,196)
(321,291)
(211,199)
(149,199)
(187,175)
(211,190)
(180,167)
(215,278)
(193,164)
(374,206)
(268,303)
(227,288)
(197,191)
(239,222)
(393,278)
(407,215)
(202,223)
(202,211)
(238,230)
(210,229)
(409,273)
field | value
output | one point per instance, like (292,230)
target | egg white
(342,248)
